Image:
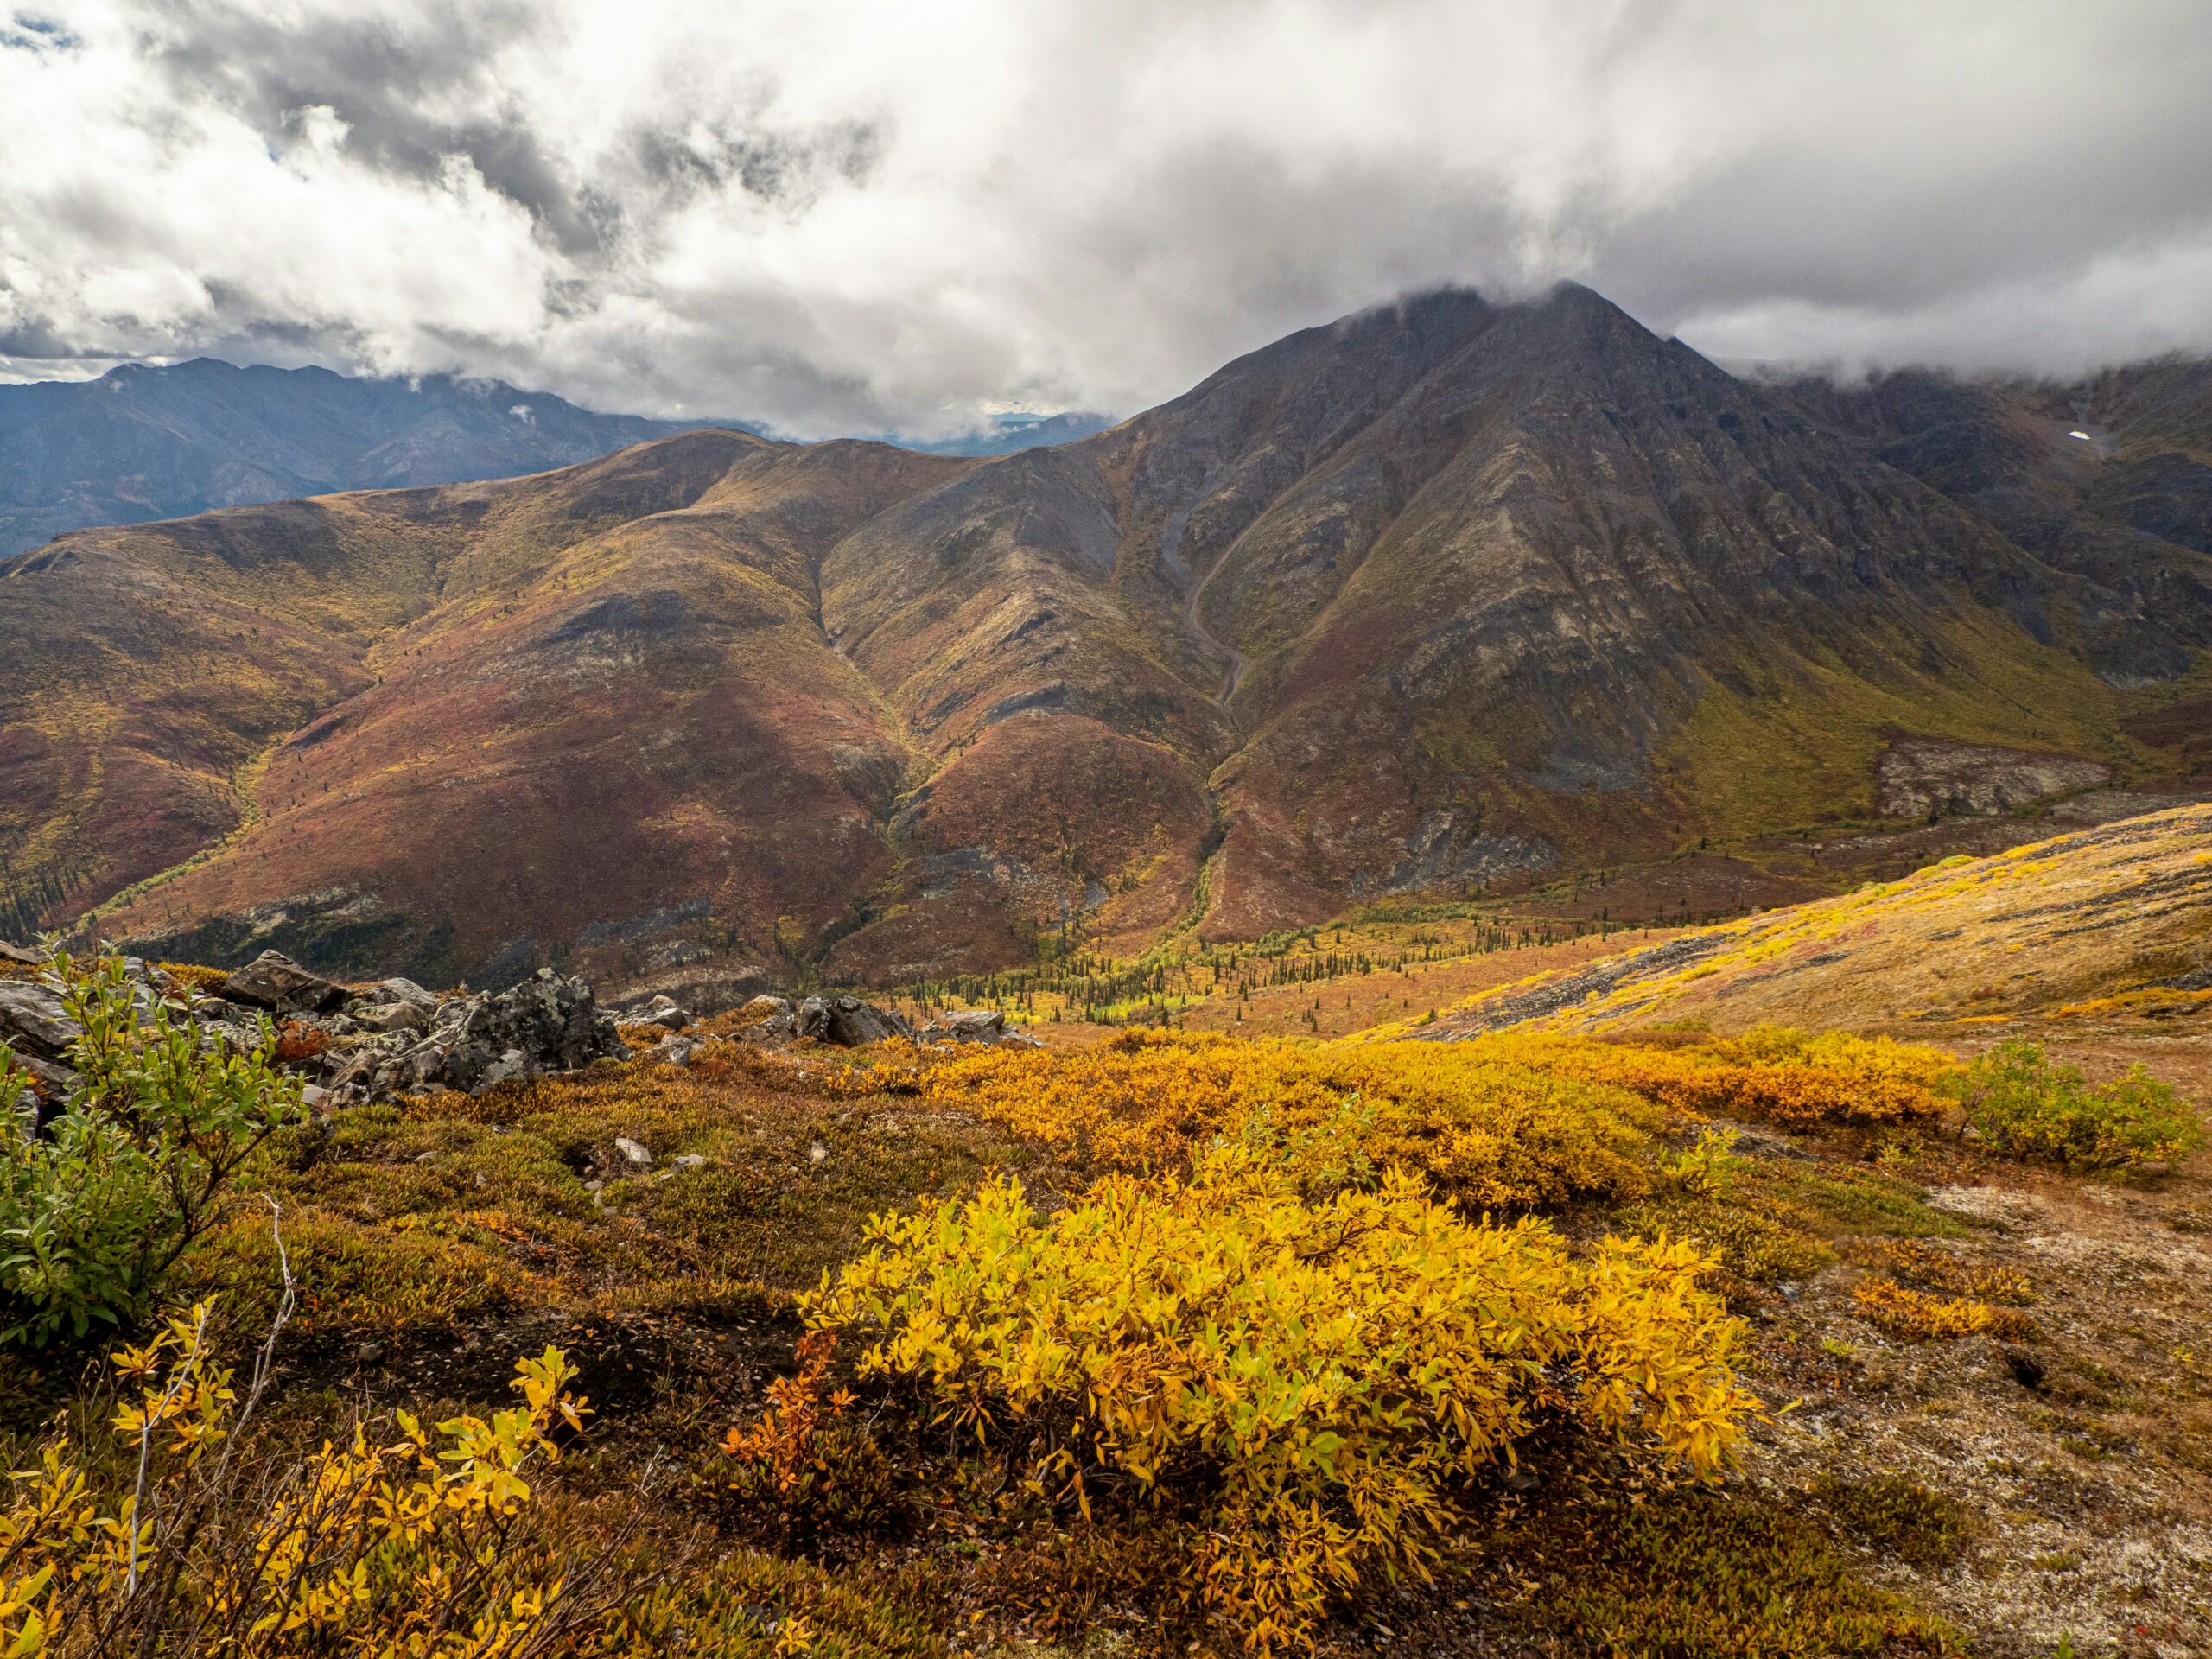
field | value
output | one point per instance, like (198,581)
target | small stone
(816,1153)
(402,990)
(690,1160)
(634,1152)
(394,1016)
(315,1097)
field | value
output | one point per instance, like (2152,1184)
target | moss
(1722,1575)
(208,982)
(355,1278)
(415,1217)
(1839,1201)
(1897,1518)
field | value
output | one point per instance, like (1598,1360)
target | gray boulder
(274,981)
(19,954)
(33,1021)
(545,1024)
(967,1025)
(662,1011)
(848,1022)
(393,1016)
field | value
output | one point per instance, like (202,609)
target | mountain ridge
(1439,597)
(144,443)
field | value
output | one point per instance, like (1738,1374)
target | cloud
(875,215)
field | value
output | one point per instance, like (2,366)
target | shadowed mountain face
(1437,598)
(142,442)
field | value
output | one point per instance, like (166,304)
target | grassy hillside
(2115,918)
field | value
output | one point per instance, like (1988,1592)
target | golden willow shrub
(443,1543)
(1490,1132)
(1773,1072)
(371,1549)
(1299,1386)
(1915,1316)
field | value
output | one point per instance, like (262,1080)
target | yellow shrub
(1300,1384)
(1773,1072)
(1489,1131)
(449,1543)
(1934,1269)
(374,1549)
(1913,1316)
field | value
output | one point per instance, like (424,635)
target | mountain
(144,443)
(1444,596)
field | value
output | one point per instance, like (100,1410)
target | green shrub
(97,1206)
(2025,1106)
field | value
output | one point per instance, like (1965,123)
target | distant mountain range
(146,442)
(1444,597)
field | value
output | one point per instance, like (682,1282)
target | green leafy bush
(2025,1106)
(97,1205)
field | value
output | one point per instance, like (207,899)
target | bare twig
(182,1372)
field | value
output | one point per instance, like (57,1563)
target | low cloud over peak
(879,217)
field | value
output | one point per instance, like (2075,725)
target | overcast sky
(897,216)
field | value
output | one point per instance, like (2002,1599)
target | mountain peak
(1434,600)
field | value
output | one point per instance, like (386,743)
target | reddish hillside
(1443,597)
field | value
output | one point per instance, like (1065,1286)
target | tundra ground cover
(814,1496)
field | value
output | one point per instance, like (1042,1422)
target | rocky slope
(1442,597)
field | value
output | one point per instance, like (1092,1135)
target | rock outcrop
(848,1022)
(545,1024)
(1915,777)
(394,1038)
(987,1026)
(275,982)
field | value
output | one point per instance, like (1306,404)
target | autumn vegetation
(1220,1343)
